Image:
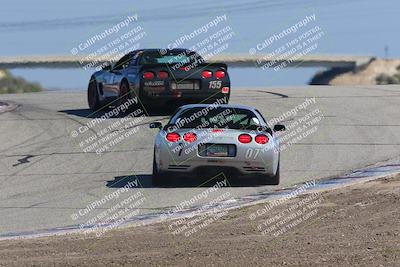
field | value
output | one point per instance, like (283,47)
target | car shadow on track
(87,113)
(146,181)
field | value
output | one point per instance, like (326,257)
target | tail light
(244,138)
(219,74)
(206,74)
(173,137)
(189,137)
(162,75)
(148,75)
(261,139)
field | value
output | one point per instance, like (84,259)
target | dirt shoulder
(357,225)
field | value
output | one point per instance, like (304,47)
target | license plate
(185,85)
(217,150)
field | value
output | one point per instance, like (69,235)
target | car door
(113,78)
(132,71)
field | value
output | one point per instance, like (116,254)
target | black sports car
(159,77)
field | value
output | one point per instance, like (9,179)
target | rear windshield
(170,57)
(207,117)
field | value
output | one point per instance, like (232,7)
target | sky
(47,27)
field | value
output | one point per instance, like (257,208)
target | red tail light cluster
(259,139)
(219,74)
(148,75)
(244,138)
(162,75)
(189,137)
(206,74)
(175,137)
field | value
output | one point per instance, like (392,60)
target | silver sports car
(214,138)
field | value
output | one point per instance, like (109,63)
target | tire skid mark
(273,93)
(23,160)
(45,144)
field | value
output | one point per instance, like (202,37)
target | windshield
(208,117)
(171,57)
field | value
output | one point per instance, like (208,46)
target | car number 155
(215,84)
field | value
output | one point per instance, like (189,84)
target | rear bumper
(188,161)
(218,166)
(196,90)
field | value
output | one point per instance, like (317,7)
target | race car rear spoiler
(177,66)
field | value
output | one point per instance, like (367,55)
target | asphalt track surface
(46,179)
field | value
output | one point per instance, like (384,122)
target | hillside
(10,84)
(378,71)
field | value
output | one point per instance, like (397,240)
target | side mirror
(279,127)
(155,125)
(107,67)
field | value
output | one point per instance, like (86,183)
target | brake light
(244,138)
(219,74)
(261,139)
(148,75)
(162,75)
(225,90)
(206,74)
(189,137)
(172,137)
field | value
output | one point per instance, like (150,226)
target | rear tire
(93,95)
(271,179)
(124,93)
